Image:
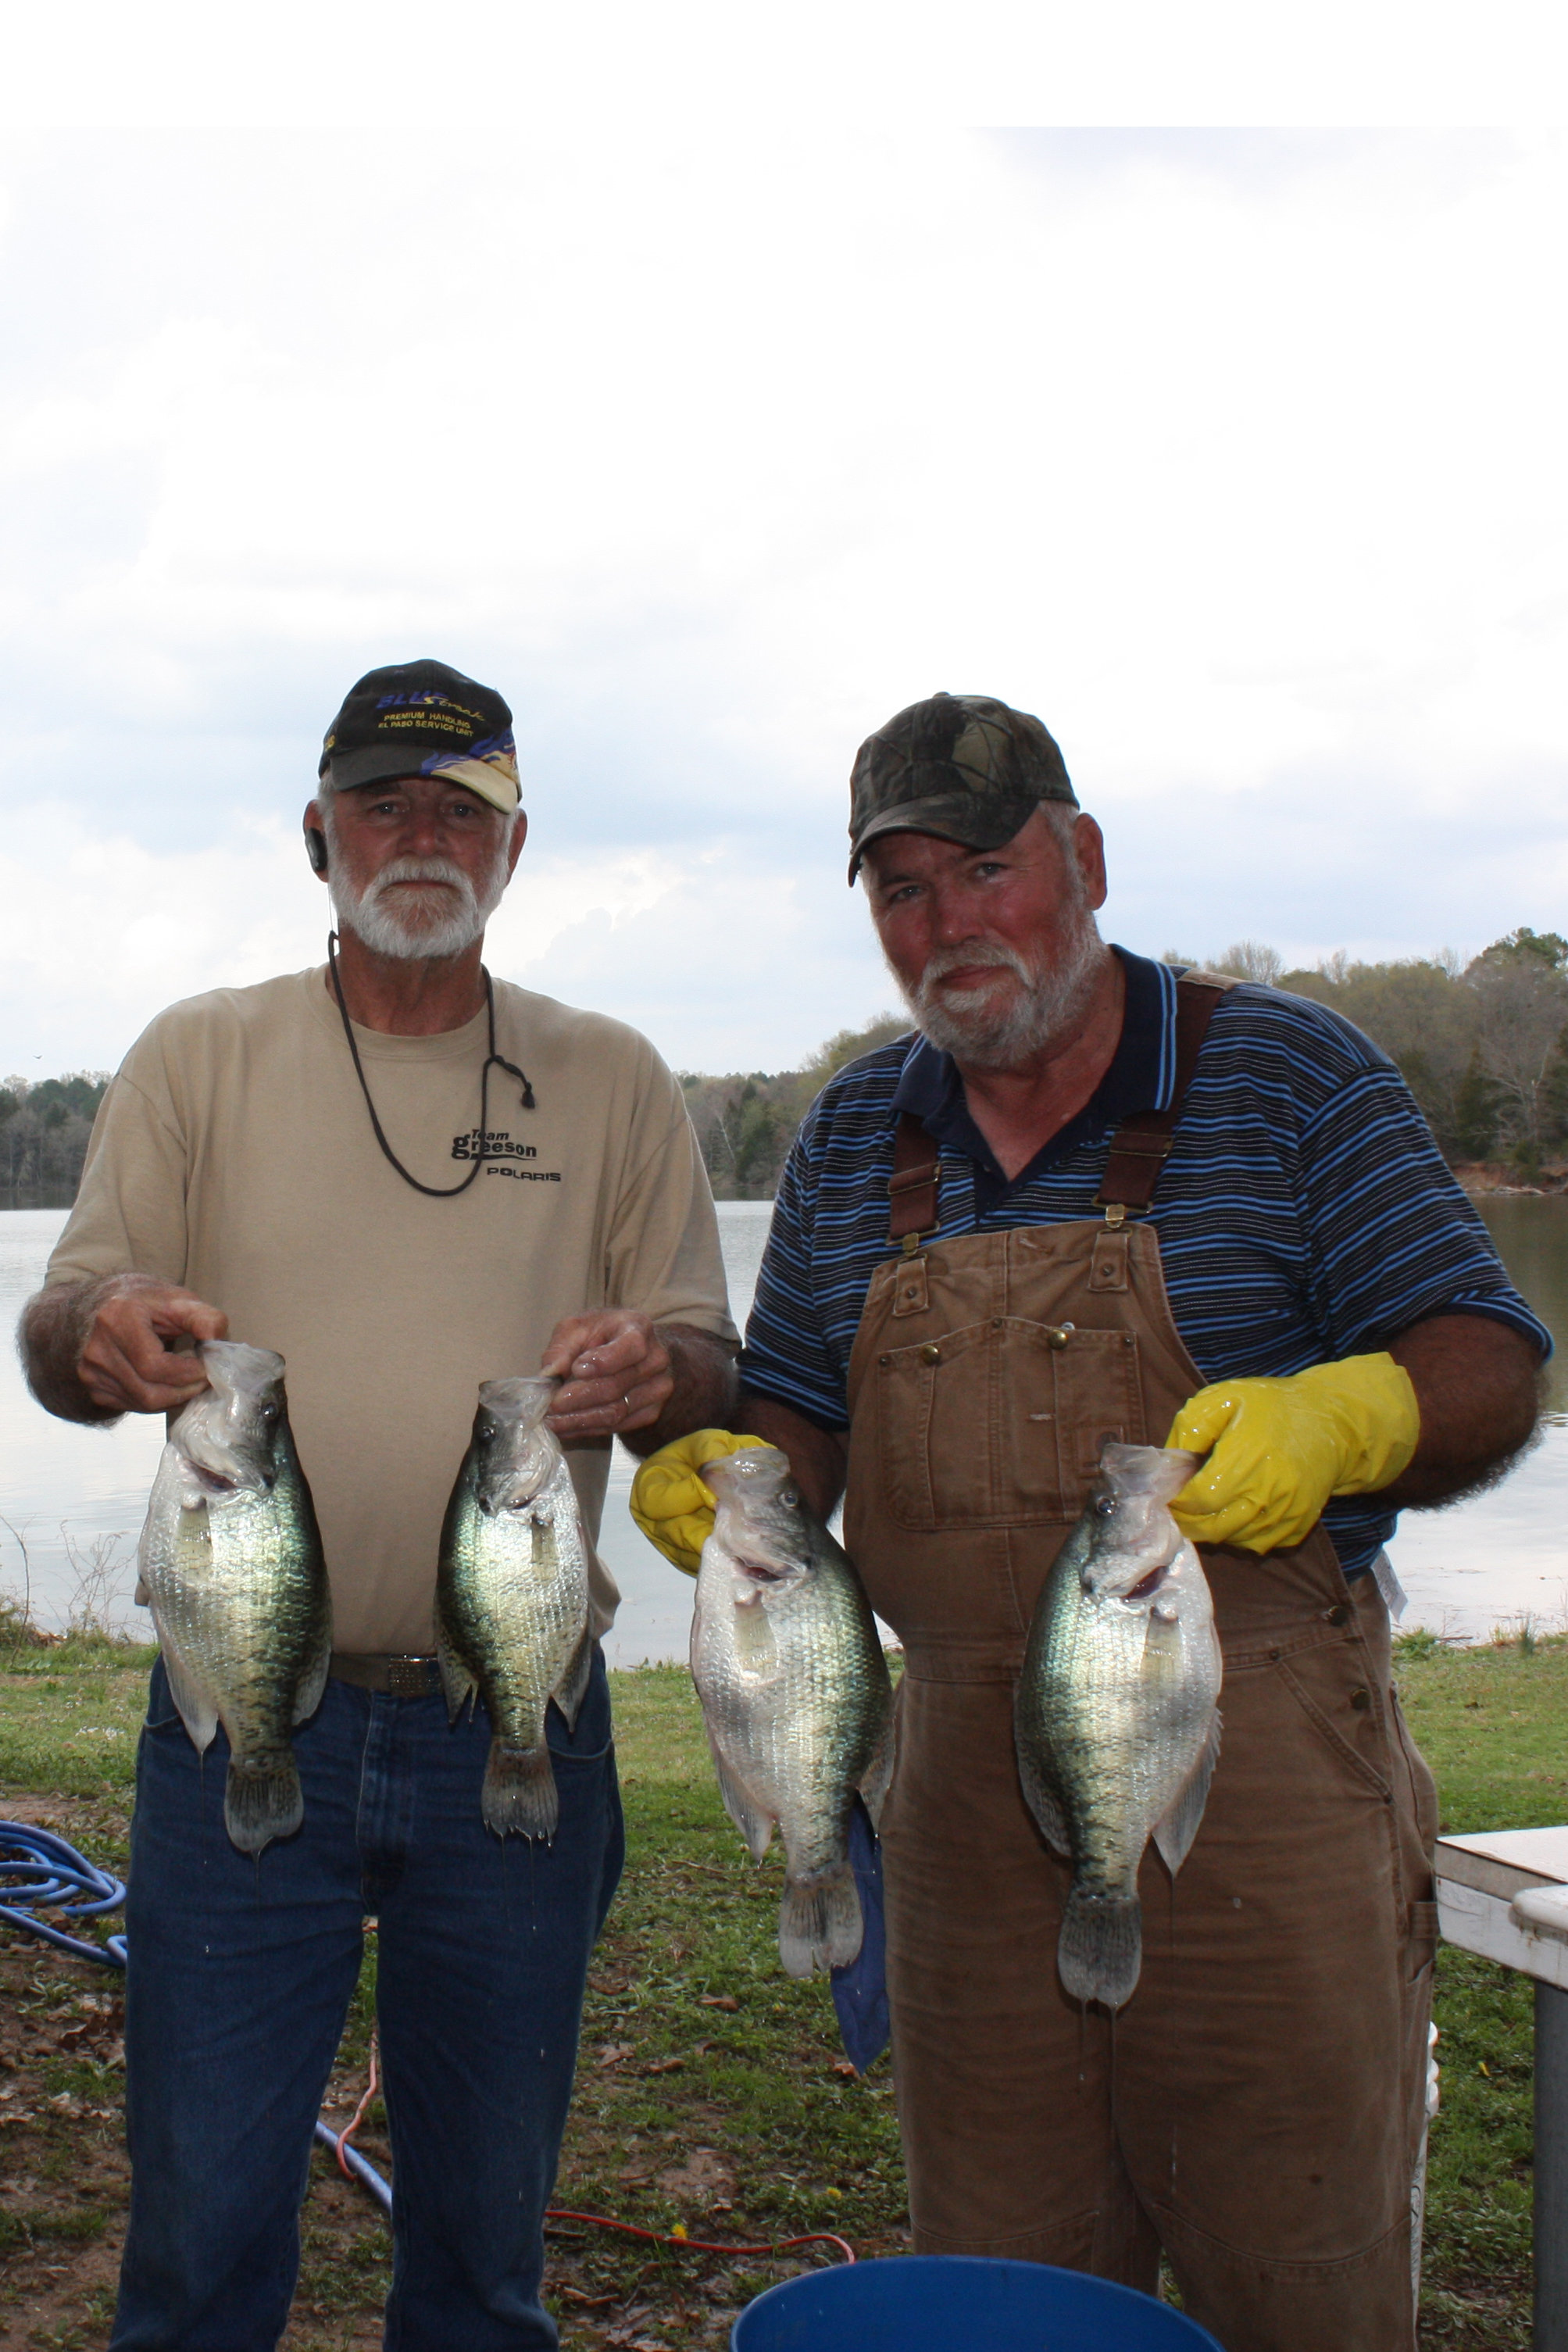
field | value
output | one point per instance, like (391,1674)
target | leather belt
(400,1676)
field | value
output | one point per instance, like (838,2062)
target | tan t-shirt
(234,1153)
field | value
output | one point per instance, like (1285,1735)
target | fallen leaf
(664,2066)
(717,2000)
(849,2072)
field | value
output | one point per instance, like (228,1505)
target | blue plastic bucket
(958,2303)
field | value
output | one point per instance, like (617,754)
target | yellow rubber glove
(669,1501)
(1279,1448)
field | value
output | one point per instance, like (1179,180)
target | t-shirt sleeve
(129,1212)
(787,1355)
(1393,1239)
(663,1256)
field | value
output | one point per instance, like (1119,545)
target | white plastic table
(1504,1893)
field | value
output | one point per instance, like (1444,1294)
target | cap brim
(382,763)
(949,818)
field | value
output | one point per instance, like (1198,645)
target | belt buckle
(411,1677)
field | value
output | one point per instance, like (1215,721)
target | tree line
(1483,1047)
(1482,1044)
(44,1129)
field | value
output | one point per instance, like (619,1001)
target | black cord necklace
(434,1192)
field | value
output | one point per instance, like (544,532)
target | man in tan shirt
(405,1178)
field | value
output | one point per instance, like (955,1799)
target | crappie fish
(795,1697)
(511,1598)
(1115,1719)
(231,1564)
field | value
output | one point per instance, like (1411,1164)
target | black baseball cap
(423,719)
(962,766)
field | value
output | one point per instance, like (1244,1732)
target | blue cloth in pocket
(860,1991)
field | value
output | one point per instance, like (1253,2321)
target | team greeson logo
(490,1143)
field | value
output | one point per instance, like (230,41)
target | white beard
(981,1036)
(414,926)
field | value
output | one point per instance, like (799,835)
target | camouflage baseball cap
(962,766)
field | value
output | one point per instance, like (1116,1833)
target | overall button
(1339,1614)
(1361,1700)
(1058,1334)
(930,1353)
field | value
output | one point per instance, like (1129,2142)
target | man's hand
(624,1376)
(1279,1448)
(95,1350)
(1442,1415)
(670,1502)
(615,1373)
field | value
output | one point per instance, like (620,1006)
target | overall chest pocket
(1000,1422)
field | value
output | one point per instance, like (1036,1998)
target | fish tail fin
(1100,1949)
(819,1923)
(520,1791)
(262,1799)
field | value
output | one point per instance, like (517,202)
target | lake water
(73,1499)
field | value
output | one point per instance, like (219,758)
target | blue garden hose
(39,1871)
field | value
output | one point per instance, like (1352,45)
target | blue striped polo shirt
(1304,1212)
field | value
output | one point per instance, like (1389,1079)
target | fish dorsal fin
(1175,1834)
(314,1680)
(572,1687)
(457,1685)
(755,1827)
(878,1774)
(198,1710)
(1161,1648)
(756,1650)
(1043,1802)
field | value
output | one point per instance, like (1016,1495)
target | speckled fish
(1116,1724)
(232,1565)
(795,1695)
(511,1598)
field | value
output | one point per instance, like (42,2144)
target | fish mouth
(1147,1586)
(760,1573)
(218,1482)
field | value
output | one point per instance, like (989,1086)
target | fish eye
(1105,1507)
(787,1495)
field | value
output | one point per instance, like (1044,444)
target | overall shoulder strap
(912,1187)
(1140,1145)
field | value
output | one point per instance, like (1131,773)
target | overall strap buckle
(912,1187)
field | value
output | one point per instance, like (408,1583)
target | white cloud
(1239,460)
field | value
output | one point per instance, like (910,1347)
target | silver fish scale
(1116,1725)
(235,1597)
(514,1603)
(232,1563)
(1118,1750)
(797,1727)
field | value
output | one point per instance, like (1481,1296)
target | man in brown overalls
(994,1246)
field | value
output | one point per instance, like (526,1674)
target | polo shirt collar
(1141,1076)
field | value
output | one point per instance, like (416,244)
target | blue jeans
(240,1975)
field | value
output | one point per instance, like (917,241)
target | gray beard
(1041,1011)
(390,929)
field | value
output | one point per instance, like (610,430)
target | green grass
(1493,1725)
(69,1714)
(708,2092)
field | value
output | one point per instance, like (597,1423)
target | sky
(1236,454)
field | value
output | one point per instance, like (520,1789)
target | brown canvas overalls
(1256,2109)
